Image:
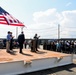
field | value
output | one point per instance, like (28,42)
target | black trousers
(36,46)
(11,44)
(21,47)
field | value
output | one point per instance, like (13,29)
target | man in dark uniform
(36,41)
(21,39)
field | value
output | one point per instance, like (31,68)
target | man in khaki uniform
(8,42)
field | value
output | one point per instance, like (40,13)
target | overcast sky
(42,17)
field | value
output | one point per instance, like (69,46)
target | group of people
(21,40)
(61,46)
(9,41)
(34,43)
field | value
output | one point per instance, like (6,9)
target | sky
(42,17)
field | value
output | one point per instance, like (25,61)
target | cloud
(68,23)
(48,16)
(68,4)
(69,18)
(46,23)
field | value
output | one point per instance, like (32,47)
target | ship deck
(30,61)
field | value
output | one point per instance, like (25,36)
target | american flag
(6,18)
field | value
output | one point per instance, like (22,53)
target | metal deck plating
(17,63)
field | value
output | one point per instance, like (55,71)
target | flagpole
(16,32)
